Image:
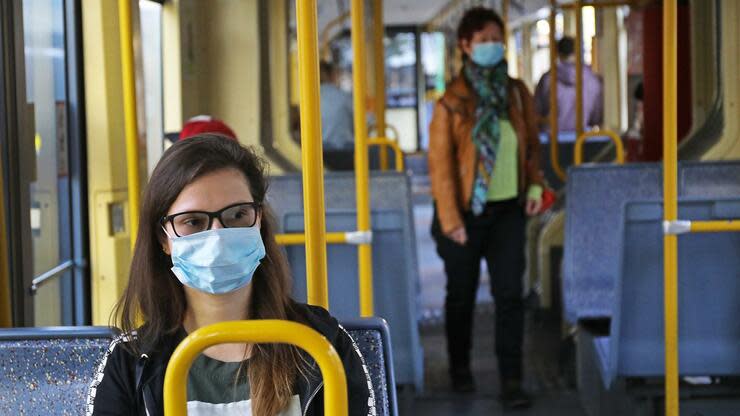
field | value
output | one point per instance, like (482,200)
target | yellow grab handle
(257,332)
(383,142)
(581,140)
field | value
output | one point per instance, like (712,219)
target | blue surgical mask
(487,54)
(217,261)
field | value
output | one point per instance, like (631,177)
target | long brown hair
(155,296)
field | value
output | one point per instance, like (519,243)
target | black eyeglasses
(243,214)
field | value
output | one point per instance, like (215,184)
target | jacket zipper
(311,397)
(146,408)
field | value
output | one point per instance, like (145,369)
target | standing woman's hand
(533,207)
(458,235)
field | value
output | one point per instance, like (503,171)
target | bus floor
(548,368)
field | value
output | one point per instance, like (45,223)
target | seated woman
(206,253)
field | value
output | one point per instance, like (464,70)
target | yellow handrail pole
(670,206)
(257,332)
(715,226)
(581,140)
(554,145)
(129,113)
(362,174)
(579,67)
(311,152)
(379,49)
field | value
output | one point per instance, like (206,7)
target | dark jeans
(498,235)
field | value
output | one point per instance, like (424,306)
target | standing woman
(206,253)
(484,168)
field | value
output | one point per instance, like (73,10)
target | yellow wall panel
(220,63)
(110,272)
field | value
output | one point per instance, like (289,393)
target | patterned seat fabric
(48,376)
(371,345)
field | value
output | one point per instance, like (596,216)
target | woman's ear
(164,241)
(465,47)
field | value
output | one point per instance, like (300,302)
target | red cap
(205,124)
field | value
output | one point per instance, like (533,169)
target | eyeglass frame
(211,215)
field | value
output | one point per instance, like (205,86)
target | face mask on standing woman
(487,54)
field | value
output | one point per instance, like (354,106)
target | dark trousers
(498,235)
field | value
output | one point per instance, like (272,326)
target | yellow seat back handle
(382,142)
(581,140)
(257,332)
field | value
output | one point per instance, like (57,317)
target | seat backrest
(595,198)
(708,293)
(49,370)
(373,338)
(395,269)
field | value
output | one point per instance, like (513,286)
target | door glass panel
(43,34)
(400,86)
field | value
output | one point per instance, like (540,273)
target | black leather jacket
(129,385)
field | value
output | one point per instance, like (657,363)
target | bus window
(51,216)
(151,51)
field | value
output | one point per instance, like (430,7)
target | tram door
(45,199)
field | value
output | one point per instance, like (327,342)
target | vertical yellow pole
(579,68)
(670,206)
(362,175)
(554,145)
(312,159)
(129,108)
(378,35)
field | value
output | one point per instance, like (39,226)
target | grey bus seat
(595,197)
(395,270)
(49,370)
(373,338)
(708,293)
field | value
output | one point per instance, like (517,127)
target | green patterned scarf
(491,87)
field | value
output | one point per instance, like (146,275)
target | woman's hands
(458,235)
(533,206)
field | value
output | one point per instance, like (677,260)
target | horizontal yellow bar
(597,5)
(293,239)
(383,141)
(257,332)
(715,226)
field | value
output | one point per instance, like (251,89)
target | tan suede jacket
(453,155)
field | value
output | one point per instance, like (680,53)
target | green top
(504,181)
(212,381)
